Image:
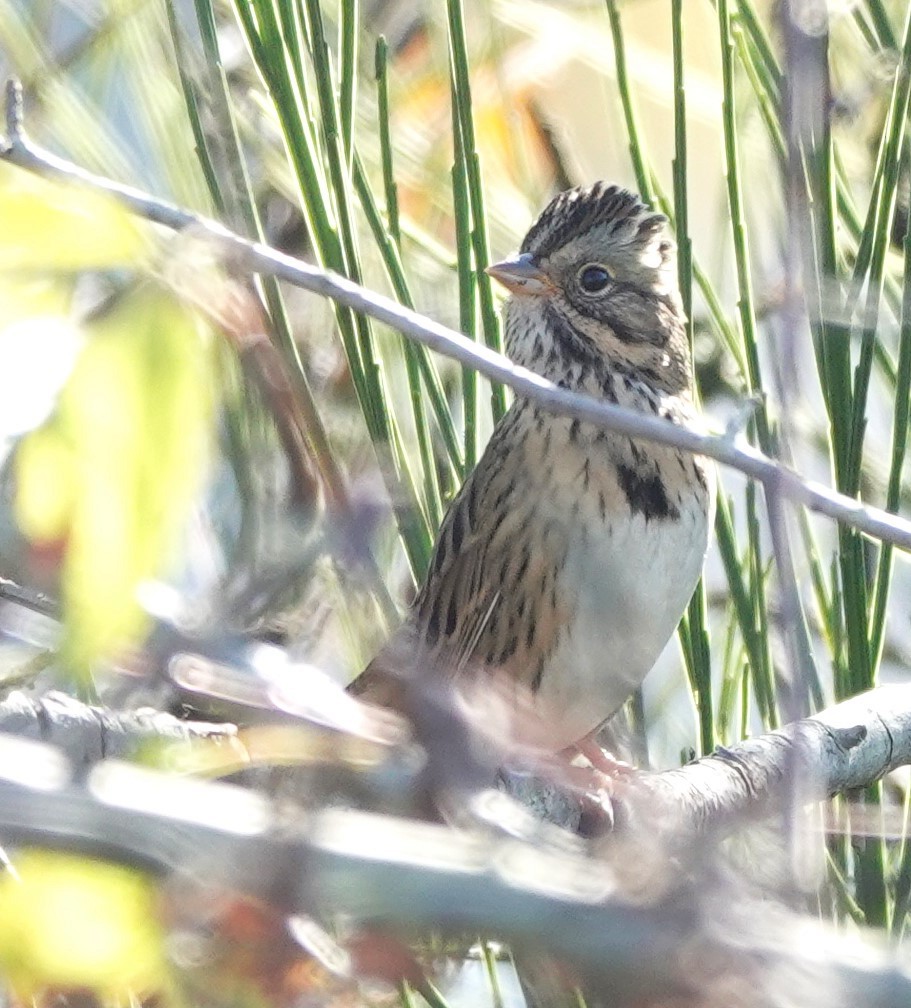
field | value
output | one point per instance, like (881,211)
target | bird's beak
(520,275)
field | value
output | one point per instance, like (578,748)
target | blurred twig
(505,875)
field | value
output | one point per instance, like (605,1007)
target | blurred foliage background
(406,146)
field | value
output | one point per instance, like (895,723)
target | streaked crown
(617,212)
(612,222)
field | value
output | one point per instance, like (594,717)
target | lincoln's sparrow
(567,558)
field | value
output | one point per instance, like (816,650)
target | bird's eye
(593,278)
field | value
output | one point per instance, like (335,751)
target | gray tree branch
(842,748)
(87,734)
(731,451)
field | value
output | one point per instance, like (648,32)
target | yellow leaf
(128,449)
(44,487)
(67,921)
(51,225)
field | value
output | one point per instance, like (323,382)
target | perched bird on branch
(567,558)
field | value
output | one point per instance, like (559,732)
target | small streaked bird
(567,558)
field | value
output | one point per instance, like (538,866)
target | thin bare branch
(17,149)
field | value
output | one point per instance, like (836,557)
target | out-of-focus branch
(379,870)
(842,748)
(89,734)
(505,875)
(256,257)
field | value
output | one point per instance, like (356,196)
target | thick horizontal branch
(845,747)
(260,258)
(842,748)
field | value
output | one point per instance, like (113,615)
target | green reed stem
(494,987)
(865,624)
(877,237)
(757,570)
(467,301)
(413,358)
(461,88)
(694,635)
(900,420)
(191,94)
(651,190)
(678,167)
(388,242)
(422,374)
(745,304)
(282,54)
(390,189)
(767,80)
(879,20)
(640,169)
(232,153)
(349,18)
(755,645)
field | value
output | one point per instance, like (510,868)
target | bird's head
(596,278)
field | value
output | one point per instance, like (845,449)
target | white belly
(631,585)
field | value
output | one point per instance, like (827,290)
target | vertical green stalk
(416,362)
(284,39)
(467,301)
(240,194)
(493,976)
(678,167)
(878,230)
(879,20)
(755,644)
(390,189)
(760,46)
(902,884)
(901,418)
(419,366)
(768,84)
(192,97)
(640,169)
(650,188)
(757,570)
(392,261)
(461,86)
(745,304)
(348,56)
(694,635)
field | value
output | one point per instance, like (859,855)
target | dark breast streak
(646,493)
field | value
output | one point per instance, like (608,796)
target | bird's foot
(601,781)
(601,760)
